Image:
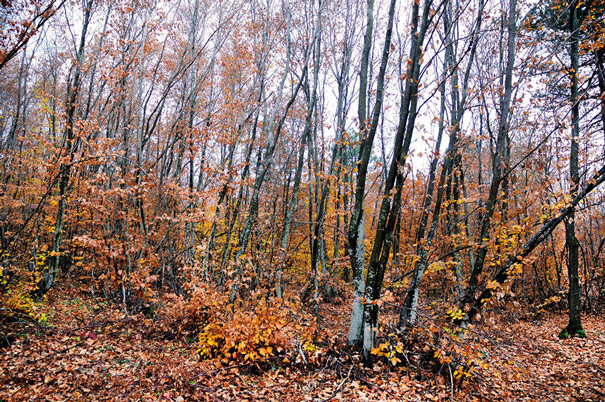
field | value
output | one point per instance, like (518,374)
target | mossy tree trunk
(574,327)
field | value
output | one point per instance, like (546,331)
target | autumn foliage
(381,199)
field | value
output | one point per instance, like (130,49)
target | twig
(300,351)
(449,366)
(339,386)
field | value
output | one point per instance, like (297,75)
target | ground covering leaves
(530,362)
(89,351)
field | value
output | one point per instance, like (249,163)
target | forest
(302,200)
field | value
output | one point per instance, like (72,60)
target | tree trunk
(267,157)
(50,270)
(574,327)
(500,160)
(513,263)
(408,312)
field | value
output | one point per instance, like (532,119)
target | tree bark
(50,270)
(574,327)
(501,157)
(356,235)
(513,264)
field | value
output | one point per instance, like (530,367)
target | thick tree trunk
(391,202)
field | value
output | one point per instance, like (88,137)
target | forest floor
(87,352)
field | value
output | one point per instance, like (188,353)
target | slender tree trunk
(574,327)
(600,63)
(500,160)
(267,157)
(513,264)
(295,189)
(358,331)
(408,312)
(50,270)
(356,234)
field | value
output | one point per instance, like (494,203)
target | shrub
(16,301)
(248,335)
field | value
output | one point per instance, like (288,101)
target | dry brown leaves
(103,354)
(530,362)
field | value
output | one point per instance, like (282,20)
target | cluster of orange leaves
(257,330)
